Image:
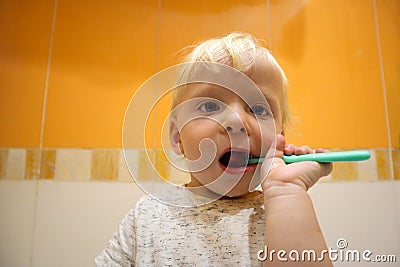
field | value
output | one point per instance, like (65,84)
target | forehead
(268,77)
(262,81)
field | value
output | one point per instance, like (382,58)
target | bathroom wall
(69,69)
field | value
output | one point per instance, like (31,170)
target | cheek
(267,133)
(192,134)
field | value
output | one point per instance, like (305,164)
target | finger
(308,172)
(320,150)
(313,171)
(270,164)
(280,145)
(289,149)
(303,150)
(274,161)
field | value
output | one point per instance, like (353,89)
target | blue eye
(209,107)
(259,110)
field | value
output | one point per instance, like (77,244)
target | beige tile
(153,162)
(367,170)
(144,164)
(162,165)
(382,160)
(344,171)
(73,164)
(77,218)
(326,179)
(17,209)
(126,174)
(364,213)
(32,164)
(176,176)
(3,162)
(16,164)
(396,163)
(47,164)
(105,165)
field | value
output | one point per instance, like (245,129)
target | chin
(237,193)
(233,195)
(239,190)
(225,184)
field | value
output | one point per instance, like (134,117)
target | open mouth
(235,159)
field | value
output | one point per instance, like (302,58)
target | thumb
(274,160)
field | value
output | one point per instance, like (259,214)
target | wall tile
(47,163)
(3,162)
(179,18)
(75,218)
(326,179)
(25,29)
(345,171)
(383,166)
(105,165)
(32,164)
(144,165)
(387,12)
(73,164)
(329,51)
(17,209)
(367,170)
(102,53)
(16,164)
(365,214)
(126,174)
(396,163)
(162,165)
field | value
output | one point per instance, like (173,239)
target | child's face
(237,128)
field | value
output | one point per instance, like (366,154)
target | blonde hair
(237,50)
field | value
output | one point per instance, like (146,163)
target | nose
(235,122)
(233,129)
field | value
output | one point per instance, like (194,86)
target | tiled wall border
(109,165)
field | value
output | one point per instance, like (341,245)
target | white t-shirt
(226,232)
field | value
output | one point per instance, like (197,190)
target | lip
(240,170)
(237,170)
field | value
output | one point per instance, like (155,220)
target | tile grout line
(383,84)
(384,91)
(46,87)
(157,67)
(269,34)
(35,204)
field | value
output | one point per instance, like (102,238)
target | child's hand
(290,219)
(295,176)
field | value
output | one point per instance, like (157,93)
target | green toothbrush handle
(356,155)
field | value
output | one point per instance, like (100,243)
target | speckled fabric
(226,232)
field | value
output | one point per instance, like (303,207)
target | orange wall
(103,51)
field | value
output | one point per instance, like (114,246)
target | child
(244,227)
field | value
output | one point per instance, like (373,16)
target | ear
(174,138)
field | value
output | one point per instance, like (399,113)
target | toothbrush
(356,155)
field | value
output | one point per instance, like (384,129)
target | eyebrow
(204,89)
